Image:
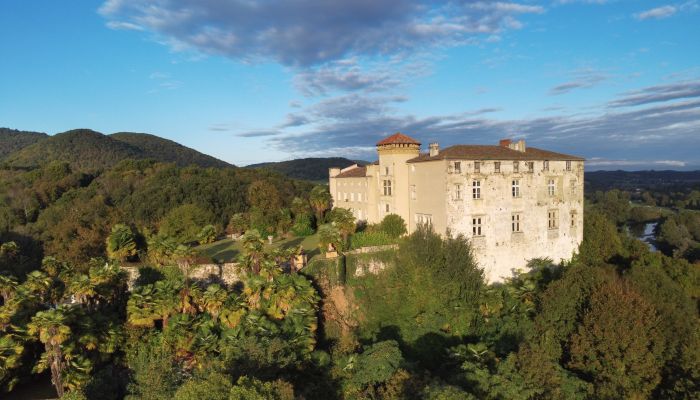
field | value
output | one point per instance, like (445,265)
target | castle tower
(393,174)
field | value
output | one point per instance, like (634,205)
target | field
(228,250)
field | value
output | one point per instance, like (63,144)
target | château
(513,202)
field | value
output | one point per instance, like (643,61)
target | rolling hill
(12,140)
(308,169)
(167,150)
(86,149)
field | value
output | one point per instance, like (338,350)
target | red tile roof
(358,172)
(398,138)
(483,152)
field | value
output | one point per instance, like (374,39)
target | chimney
(517,146)
(434,149)
(333,172)
(504,142)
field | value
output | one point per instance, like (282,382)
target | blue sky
(617,82)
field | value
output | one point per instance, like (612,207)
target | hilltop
(86,149)
(12,140)
(167,150)
(308,169)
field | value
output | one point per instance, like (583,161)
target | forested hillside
(166,150)
(12,140)
(87,150)
(309,169)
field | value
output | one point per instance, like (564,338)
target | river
(645,233)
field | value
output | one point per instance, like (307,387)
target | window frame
(476,189)
(515,188)
(515,221)
(387,187)
(477,226)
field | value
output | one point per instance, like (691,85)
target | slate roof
(358,172)
(398,138)
(486,152)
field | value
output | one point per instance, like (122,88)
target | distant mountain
(308,169)
(86,149)
(166,150)
(12,140)
(632,180)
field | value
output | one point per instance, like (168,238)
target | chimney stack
(434,149)
(517,146)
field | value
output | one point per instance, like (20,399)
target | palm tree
(253,251)
(82,289)
(10,357)
(8,288)
(213,300)
(329,235)
(51,327)
(121,243)
(320,200)
(343,219)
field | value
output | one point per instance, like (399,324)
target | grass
(228,250)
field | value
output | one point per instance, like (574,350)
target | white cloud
(657,13)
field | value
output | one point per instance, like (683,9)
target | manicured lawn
(228,250)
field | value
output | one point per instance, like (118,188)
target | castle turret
(393,178)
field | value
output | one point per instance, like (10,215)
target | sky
(614,81)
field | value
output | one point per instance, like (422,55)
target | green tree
(51,328)
(619,364)
(320,200)
(343,220)
(121,243)
(207,235)
(601,242)
(393,225)
(253,389)
(209,386)
(265,203)
(184,223)
(328,234)
(238,224)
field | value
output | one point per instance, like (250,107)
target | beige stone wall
(429,180)
(393,167)
(499,250)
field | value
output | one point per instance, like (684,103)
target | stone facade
(513,202)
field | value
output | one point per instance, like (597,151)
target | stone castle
(513,202)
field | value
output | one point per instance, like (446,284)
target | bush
(370,238)
(393,225)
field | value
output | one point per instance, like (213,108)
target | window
(426,219)
(516,166)
(515,189)
(387,188)
(476,226)
(545,165)
(386,170)
(458,167)
(552,222)
(476,189)
(413,192)
(387,207)
(550,187)
(573,186)
(497,167)
(515,223)
(568,165)
(477,166)
(573,219)
(530,166)
(458,192)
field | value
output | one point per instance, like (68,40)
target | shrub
(393,225)
(373,238)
